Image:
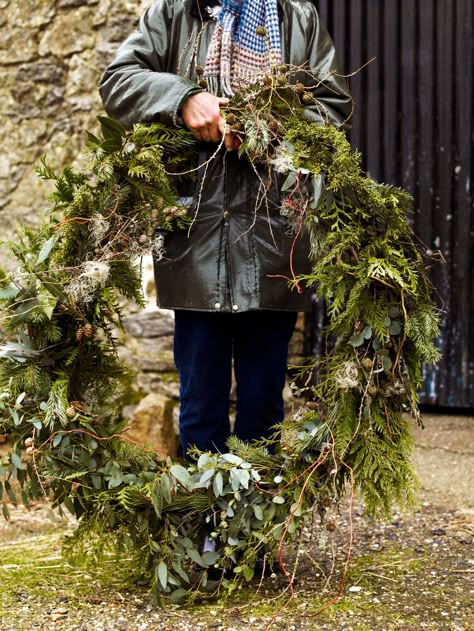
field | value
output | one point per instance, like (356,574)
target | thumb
(223,100)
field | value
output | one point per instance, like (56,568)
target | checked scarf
(237,53)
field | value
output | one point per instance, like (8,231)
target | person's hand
(201,113)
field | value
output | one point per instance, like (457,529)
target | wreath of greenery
(61,380)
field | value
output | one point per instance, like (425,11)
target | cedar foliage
(61,380)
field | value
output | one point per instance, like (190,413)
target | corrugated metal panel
(413,123)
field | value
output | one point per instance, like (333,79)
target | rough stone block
(152,424)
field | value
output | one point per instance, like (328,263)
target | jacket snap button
(217,305)
(227,214)
(235,307)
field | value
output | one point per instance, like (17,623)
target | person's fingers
(226,133)
(223,100)
(236,142)
(205,134)
(215,132)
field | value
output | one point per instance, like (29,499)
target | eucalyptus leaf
(16,461)
(317,182)
(296,509)
(182,475)
(356,340)
(376,345)
(177,567)
(206,477)
(289,182)
(218,484)
(178,596)
(57,439)
(395,327)
(166,486)
(203,460)
(20,398)
(278,499)
(244,477)
(367,332)
(161,572)
(46,249)
(196,557)
(8,292)
(232,459)
(234,480)
(210,557)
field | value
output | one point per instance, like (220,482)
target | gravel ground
(414,572)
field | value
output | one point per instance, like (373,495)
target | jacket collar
(207,10)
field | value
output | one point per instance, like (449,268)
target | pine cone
(307,97)
(202,83)
(79,334)
(273,126)
(29,441)
(372,390)
(261,30)
(199,70)
(230,118)
(71,411)
(366,362)
(82,407)
(299,88)
(88,330)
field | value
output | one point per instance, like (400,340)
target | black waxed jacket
(238,252)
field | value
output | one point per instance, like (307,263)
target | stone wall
(52,54)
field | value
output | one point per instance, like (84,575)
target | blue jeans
(204,345)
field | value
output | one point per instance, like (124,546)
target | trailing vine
(61,381)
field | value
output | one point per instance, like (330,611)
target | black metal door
(413,123)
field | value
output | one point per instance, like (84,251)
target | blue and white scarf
(238,55)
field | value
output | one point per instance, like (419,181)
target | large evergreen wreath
(60,378)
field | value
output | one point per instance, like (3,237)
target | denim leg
(203,357)
(261,341)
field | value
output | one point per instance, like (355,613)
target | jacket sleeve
(137,86)
(331,90)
